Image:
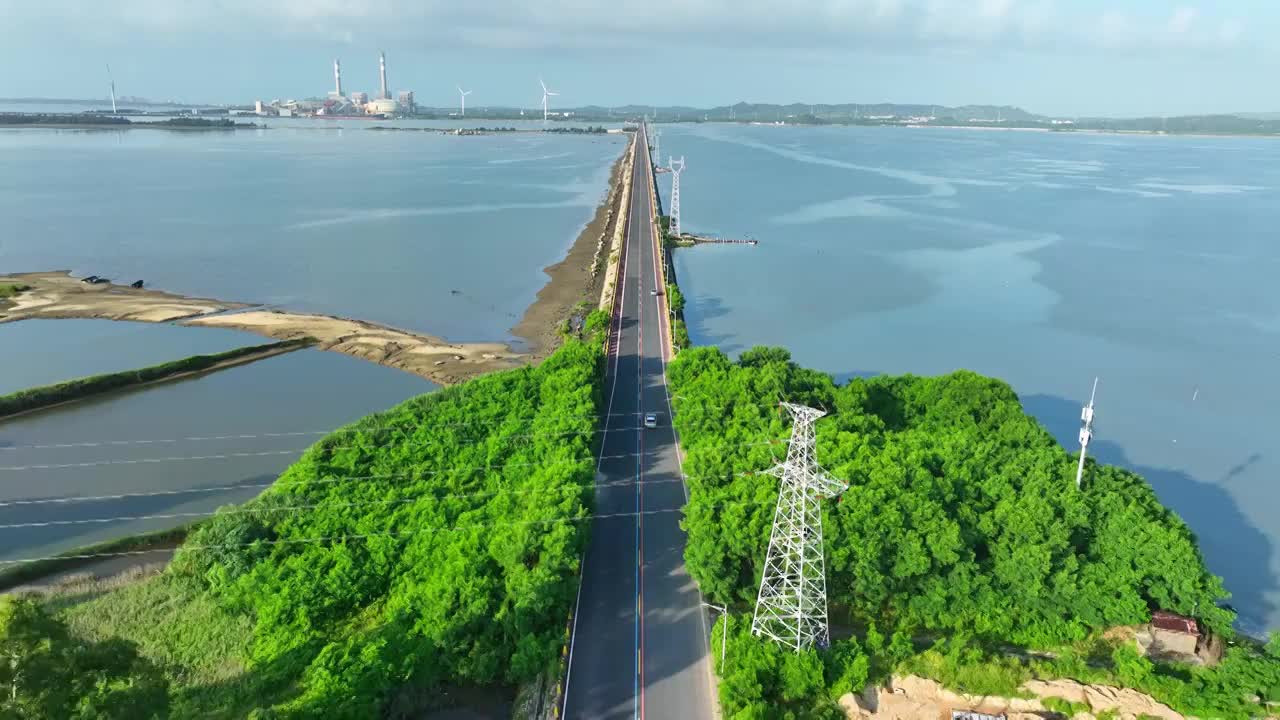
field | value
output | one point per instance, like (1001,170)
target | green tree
(47,673)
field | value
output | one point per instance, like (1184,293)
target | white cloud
(1230,31)
(902,25)
(1181,20)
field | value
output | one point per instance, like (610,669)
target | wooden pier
(689,239)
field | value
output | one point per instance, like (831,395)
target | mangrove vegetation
(431,546)
(961,542)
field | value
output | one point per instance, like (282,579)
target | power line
(263,453)
(305,433)
(363,536)
(316,506)
(345,478)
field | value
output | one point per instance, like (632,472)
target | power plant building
(405,99)
(381,106)
(359,98)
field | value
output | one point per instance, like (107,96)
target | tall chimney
(337,77)
(382,74)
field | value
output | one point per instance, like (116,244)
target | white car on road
(651,420)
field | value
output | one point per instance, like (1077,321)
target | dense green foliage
(203,123)
(46,672)
(588,130)
(1227,690)
(763,679)
(201,646)
(962,515)
(46,395)
(8,290)
(61,119)
(433,543)
(679,331)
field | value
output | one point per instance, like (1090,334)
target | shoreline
(576,277)
(571,280)
(58,295)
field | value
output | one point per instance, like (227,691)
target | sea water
(441,234)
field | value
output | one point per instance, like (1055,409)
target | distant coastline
(99,121)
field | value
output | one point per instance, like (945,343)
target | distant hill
(824,112)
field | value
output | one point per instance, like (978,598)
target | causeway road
(639,643)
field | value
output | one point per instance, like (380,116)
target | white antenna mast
(113,89)
(1086,432)
(463,94)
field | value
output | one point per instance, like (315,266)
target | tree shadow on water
(1233,548)
(696,314)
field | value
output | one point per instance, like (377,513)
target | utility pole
(724,633)
(792,605)
(675,194)
(1086,432)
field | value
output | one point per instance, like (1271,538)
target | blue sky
(1065,57)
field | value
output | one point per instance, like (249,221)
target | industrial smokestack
(337,77)
(382,74)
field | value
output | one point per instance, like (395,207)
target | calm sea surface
(339,219)
(43,352)
(1043,259)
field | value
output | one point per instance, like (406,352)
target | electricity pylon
(657,152)
(792,605)
(676,169)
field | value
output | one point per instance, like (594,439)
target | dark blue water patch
(42,352)
(369,225)
(240,427)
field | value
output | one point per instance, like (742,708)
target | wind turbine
(463,94)
(545,94)
(113,89)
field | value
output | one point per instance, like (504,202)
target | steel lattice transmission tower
(677,167)
(657,152)
(792,605)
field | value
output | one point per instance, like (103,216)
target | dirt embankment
(917,698)
(58,295)
(424,355)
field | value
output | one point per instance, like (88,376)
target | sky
(1055,57)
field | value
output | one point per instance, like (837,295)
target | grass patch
(8,290)
(200,646)
(46,395)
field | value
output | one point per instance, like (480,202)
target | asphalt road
(639,647)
